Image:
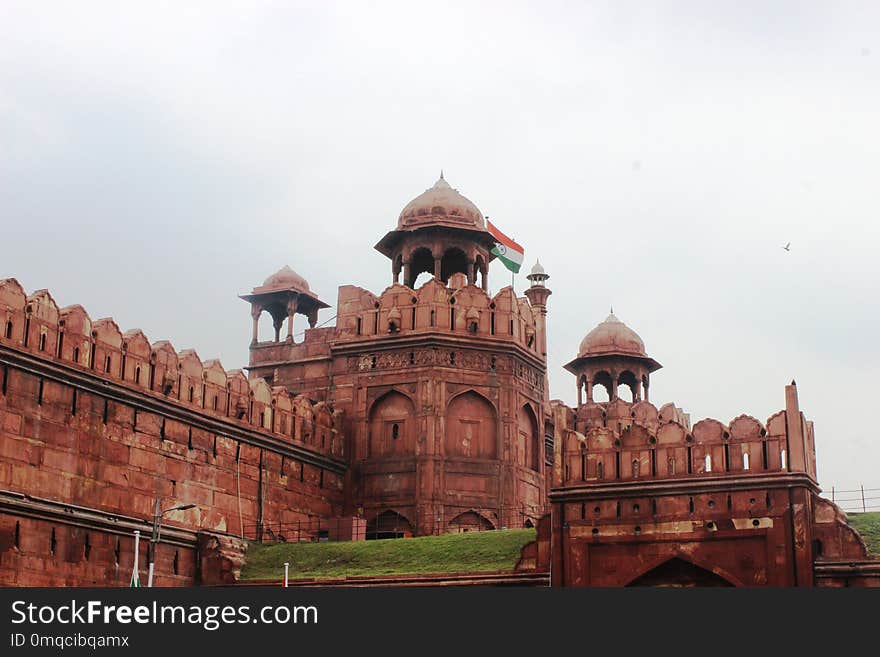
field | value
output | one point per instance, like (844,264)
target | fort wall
(641,497)
(95,419)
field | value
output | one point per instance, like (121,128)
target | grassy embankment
(868,525)
(467,552)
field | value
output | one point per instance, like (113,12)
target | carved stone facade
(441,389)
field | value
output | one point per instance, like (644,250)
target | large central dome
(612,337)
(441,203)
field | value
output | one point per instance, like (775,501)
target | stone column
(256,311)
(276,324)
(291,311)
(407,268)
(438,267)
(471,272)
(313,317)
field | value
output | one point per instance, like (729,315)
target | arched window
(602,386)
(137,374)
(454,261)
(708,463)
(9,330)
(421,262)
(42,341)
(745,460)
(782,455)
(107,363)
(627,387)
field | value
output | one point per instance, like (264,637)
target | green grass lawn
(868,525)
(471,552)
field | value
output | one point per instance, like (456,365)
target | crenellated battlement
(621,441)
(35,324)
(457,309)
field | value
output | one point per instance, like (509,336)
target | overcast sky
(158,159)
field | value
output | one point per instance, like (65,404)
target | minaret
(538,293)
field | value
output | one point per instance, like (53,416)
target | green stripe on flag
(510,264)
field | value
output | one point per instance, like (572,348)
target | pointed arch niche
(471,427)
(392,426)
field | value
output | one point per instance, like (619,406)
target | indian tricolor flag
(508,252)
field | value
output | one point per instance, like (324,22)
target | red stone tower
(442,388)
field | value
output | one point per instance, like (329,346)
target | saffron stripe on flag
(504,239)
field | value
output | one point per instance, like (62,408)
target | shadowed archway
(389,524)
(677,572)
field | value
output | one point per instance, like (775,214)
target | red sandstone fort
(422,411)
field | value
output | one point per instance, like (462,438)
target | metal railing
(855,500)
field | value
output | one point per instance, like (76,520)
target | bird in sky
(787,247)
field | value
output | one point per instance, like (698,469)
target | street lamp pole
(157,528)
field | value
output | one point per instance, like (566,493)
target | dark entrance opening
(679,573)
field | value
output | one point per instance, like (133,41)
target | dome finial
(441,175)
(612,308)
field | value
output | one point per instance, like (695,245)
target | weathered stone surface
(222,558)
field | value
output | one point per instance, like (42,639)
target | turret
(442,233)
(610,355)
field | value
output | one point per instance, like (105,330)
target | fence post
(864,508)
